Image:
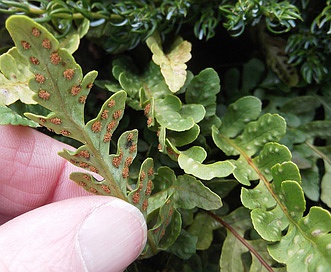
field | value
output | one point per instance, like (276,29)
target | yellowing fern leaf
(173,67)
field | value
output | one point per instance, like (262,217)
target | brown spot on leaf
(56,121)
(87,177)
(84,153)
(107,137)
(39,78)
(42,120)
(150,171)
(104,114)
(117,114)
(46,44)
(136,197)
(149,187)
(111,125)
(69,73)
(65,132)
(93,190)
(44,94)
(130,136)
(93,169)
(83,164)
(36,32)
(125,172)
(34,60)
(75,89)
(25,45)
(96,127)
(55,58)
(81,183)
(89,86)
(105,188)
(111,103)
(117,160)
(133,148)
(142,175)
(145,205)
(128,161)
(82,99)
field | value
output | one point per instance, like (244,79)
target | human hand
(75,231)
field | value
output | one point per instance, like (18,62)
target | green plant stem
(321,154)
(241,239)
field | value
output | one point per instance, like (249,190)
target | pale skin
(51,224)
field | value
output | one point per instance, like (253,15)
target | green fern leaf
(277,201)
(59,86)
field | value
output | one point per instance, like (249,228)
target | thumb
(94,233)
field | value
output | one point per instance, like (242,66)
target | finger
(94,233)
(32,173)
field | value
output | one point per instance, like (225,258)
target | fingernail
(112,236)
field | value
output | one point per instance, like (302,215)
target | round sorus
(117,114)
(36,32)
(125,172)
(133,149)
(150,171)
(56,121)
(145,205)
(46,44)
(83,164)
(107,137)
(25,45)
(128,161)
(65,132)
(34,60)
(111,125)
(149,187)
(82,99)
(136,197)
(75,89)
(55,58)
(44,94)
(39,78)
(111,103)
(84,153)
(117,161)
(93,169)
(142,175)
(93,190)
(104,114)
(105,188)
(96,127)
(81,183)
(87,177)
(130,136)
(69,73)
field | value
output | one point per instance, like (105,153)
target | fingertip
(112,236)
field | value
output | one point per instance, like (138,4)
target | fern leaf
(277,201)
(14,78)
(59,86)
(173,67)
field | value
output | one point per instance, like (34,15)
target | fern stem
(321,154)
(241,239)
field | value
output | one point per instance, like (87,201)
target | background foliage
(214,120)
